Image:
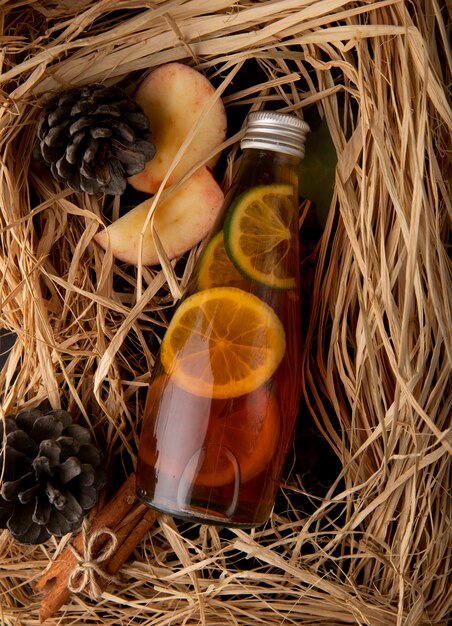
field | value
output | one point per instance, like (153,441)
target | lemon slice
(216,268)
(258,235)
(249,427)
(222,343)
(251,430)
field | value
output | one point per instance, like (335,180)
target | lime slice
(258,235)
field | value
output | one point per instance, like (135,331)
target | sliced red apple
(173,97)
(181,220)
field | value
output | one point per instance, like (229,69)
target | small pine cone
(51,477)
(93,138)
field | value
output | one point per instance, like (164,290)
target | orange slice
(216,268)
(241,439)
(209,442)
(258,235)
(222,343)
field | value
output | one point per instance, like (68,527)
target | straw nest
(370,542)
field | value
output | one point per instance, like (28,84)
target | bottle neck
(264,167)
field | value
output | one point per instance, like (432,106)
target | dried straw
(374,547)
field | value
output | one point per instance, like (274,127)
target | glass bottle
(224,392)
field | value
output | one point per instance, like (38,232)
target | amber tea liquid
(219,460)
(224,392)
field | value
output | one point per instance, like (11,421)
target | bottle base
(199,514)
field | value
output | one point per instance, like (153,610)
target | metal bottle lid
(280,132)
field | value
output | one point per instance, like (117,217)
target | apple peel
(181,220)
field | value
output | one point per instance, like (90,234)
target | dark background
(6,343)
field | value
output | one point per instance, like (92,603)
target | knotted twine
(88,571)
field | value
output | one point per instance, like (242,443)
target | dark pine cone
(93,138)
(52,474)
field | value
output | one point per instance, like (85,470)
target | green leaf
(318,169)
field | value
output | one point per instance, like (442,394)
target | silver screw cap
(280,132)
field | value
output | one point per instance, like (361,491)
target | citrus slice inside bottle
(216,268)
(216,442)
(241,439)
(222,343)
(258,235)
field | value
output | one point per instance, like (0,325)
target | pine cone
(93,138)
(51,474)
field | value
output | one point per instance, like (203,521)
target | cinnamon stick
(131,541)
(126,517)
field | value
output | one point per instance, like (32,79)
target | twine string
(88,571)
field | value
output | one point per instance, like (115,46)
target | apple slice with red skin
(173,97)
(181,219)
